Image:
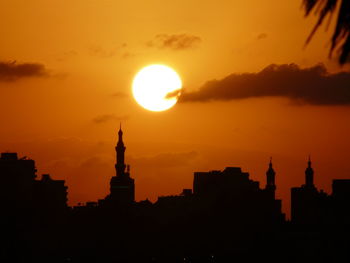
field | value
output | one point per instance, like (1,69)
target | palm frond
(341,34)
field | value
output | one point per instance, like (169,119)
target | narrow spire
(270,170)
(270,180)
(309,161)
(120,150)
(309,174)
(120,132)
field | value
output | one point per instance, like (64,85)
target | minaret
(270,179)
(309,175)
(120,150)
(122,186)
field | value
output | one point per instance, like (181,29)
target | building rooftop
(9,156)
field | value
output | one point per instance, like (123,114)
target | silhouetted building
(50,195)
(270,187)
(308,205)
(219,183)
(20,192)
(186,192)
(340,201)
(170,200)
(341,189)
(233,191)
(122,187)
(16,177)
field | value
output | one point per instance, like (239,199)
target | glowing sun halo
(156,87)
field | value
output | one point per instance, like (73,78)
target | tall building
(16,179)
(309,176)
(270,187)
(122,186)
(340,200)
(307,203)
(241,197)
(50,195)
(21,191)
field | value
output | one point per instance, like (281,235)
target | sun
(156,87)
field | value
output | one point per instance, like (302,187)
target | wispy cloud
(108,117)
(101,52)
(174,41)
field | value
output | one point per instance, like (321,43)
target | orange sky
(67,120)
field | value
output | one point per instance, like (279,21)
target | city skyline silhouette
(122,169)
(233,209)
(178,131)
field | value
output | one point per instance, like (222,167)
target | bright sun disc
(156,87)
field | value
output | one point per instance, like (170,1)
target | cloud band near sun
(313,85)
(12,71)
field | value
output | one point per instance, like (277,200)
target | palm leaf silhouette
(341,34)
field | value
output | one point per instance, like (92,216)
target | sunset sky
(66,69)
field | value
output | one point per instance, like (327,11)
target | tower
(122,187)
(270,179)
(309,175)
(307,201)
(120,152)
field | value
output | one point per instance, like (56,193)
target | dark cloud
(122,50)
(174,94)
(261,36)
(12,71)
(314,85)
(108,117)
(175,41)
